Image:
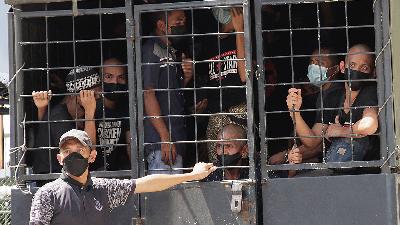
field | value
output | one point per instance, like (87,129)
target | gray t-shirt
(164,73)
(65,202)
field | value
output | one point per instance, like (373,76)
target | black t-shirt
(334,98)
(222,74)
(110,132)
(45,138)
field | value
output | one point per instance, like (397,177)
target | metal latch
(236,202)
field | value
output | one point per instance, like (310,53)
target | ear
(342,66)
(60,159)
(92,156)
(245,151)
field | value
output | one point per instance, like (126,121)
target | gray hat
(82,78)
(79,135)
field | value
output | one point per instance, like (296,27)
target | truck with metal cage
(47,38)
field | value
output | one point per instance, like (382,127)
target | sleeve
(150,73)
(118,190)
(42,208)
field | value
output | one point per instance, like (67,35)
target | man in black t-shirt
(113,130)
(60,119)
(349,114)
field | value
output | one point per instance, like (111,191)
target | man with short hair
(112,127)
(232,150)
(160,71)
(349,114)
(82,80)
(77,199)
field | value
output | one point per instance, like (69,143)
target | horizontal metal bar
(317,28)
(308,56)
(71,41)
(68,67)
(186,5)
(75,120)
(285,2)
(59,13)
(306,166)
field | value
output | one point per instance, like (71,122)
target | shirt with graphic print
(66,202)
(111,136)
(222,71)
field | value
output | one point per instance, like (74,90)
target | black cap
(82,78)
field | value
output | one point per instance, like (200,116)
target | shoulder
(153,51)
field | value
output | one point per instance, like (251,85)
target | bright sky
(4,37)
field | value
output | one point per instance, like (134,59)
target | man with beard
(78,199)
(161,71)
(112,125)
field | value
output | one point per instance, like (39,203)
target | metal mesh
(5,200)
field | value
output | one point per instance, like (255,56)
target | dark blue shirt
(162,72)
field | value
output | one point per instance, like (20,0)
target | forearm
(160,182)
(365,126)
(241,56)
(304,132)
(152,108)
(90,127)
(41,112)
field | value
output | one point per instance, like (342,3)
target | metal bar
(18,90)
(395,31)
(81,12)
(387,57)
(130,26)
(68,42)
(12,97)
(327,165)
(186,5)
(381,81)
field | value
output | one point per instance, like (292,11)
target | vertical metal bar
(260,76)
(18,84)
(139,91)
(130,26)
(387,59)
(395,46)
(11,89)
(249,87)
(381,81)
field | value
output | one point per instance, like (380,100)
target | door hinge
(236,202)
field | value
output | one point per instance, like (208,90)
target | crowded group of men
(190,96)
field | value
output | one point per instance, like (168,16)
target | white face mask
(223,15)
(316,74)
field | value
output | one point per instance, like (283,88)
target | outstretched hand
(202,170)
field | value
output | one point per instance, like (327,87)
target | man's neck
(81,179)
(232,174)
(109,104)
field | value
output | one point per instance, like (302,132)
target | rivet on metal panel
(258,74)
(236,202)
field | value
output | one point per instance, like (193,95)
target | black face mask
(179,43)
(229,160)
(353,76)
(75,164)
(110,87)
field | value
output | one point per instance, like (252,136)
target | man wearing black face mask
(77,199)
(352,111)
(164,73)
(115,131)
(232,151)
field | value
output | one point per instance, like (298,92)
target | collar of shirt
(171,50)
(89,184)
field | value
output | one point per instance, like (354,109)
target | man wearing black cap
(77,199)
(82,80)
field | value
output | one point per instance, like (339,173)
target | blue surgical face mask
(223,15)
(316,74)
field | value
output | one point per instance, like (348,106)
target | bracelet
(286,157)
